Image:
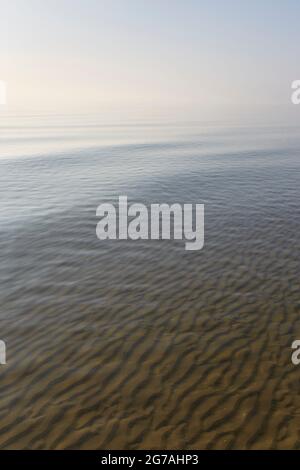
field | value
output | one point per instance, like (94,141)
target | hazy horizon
(192,59)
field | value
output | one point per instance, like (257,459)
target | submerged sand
(142,345)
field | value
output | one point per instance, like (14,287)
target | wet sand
(142,345)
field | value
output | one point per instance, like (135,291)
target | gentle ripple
(123,344)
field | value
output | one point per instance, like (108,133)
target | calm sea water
(123,344)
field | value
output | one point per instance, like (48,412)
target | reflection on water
(123,344)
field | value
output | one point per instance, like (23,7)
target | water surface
(123,344)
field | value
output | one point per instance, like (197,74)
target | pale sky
(198,54)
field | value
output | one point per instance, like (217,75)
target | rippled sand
(134,345)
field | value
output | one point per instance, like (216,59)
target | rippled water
(123,344)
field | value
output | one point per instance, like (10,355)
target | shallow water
(123,344)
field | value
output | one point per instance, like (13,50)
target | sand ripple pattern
(137,345)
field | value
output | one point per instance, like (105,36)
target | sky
(208,56)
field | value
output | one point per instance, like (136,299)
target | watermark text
(162,222)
